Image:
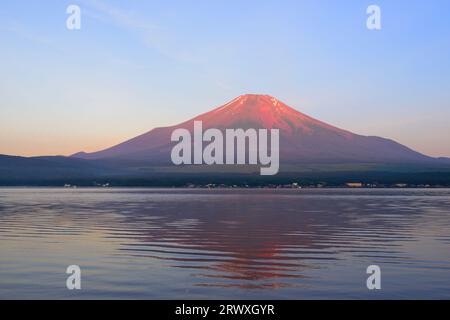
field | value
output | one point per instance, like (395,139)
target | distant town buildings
(401,185)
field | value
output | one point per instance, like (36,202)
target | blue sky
(136,65)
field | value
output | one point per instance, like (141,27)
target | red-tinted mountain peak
(263,111)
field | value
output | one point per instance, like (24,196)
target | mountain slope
(303,139)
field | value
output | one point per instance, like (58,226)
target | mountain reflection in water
(163,243)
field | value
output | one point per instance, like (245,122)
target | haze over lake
(224,244)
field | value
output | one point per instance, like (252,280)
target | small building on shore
(354,184)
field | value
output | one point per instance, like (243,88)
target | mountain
(303,139)
(22,170)
(311,152)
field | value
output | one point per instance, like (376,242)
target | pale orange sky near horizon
(60,139)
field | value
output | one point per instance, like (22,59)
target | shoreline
(221,188)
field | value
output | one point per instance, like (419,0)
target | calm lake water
(224,244)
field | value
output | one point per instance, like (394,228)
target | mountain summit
(262,111)
(303,139)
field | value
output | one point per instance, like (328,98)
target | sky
(136,65)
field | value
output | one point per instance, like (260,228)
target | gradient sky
(136,65)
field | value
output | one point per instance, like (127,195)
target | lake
(224,244)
